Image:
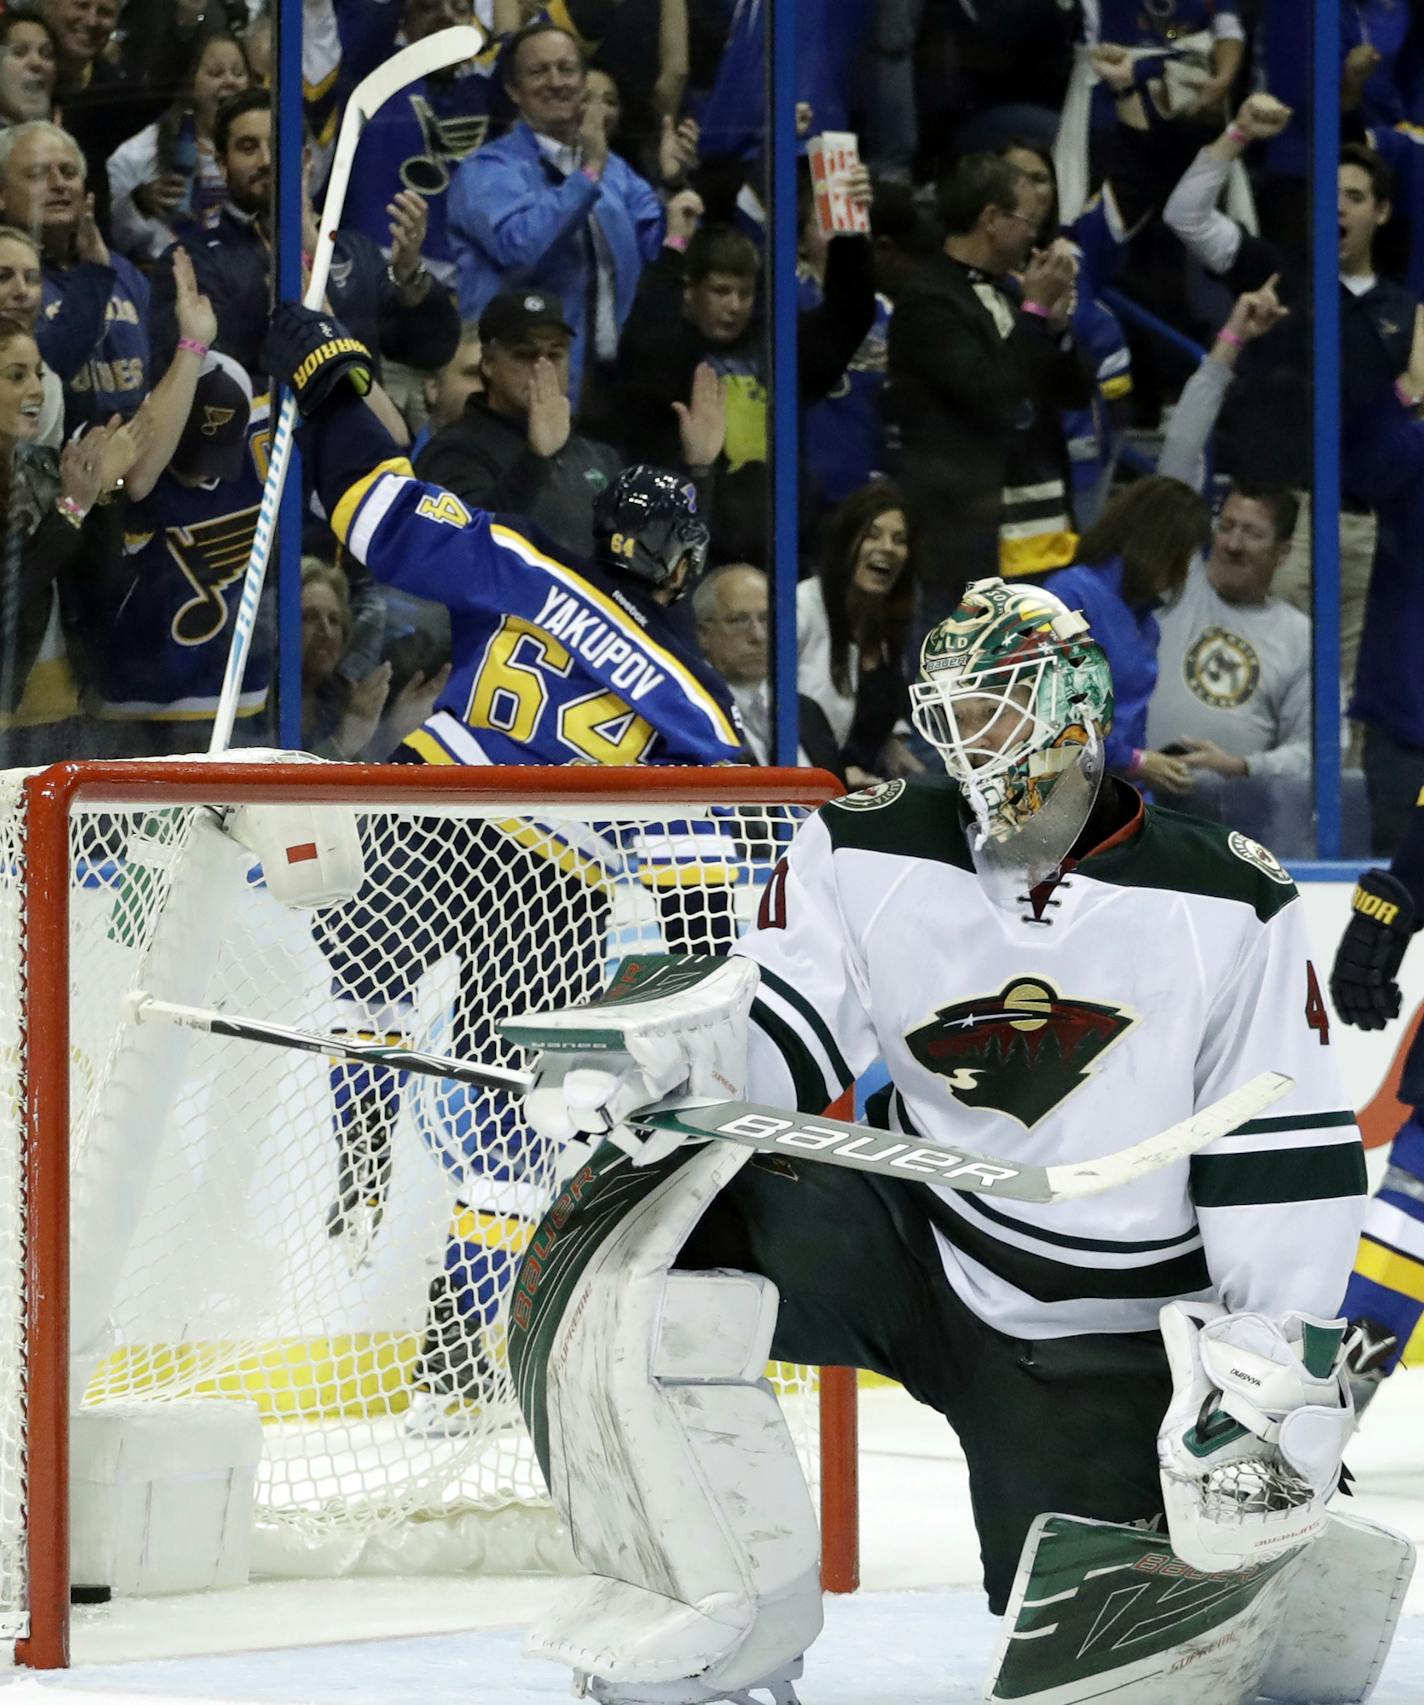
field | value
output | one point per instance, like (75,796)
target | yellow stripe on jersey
(344,516)
(1117,387)
(316,91)
(1037,554)
(561,854)
(691,876)
(625,623)
(428,747)
(1387,1267)
(495,1231)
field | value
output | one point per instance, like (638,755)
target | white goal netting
(334,1242)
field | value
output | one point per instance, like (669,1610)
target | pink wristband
(1134,768)
(591,173)
(193,347)
(1226,335)
(1234,133)
(676,241)
(1404,396)
(1037,309)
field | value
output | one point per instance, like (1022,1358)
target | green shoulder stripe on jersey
(813,1093)
(1295,1122)
(1187,854)
(921,821)
(1278,1175)
(822,1031)
(1050,1280)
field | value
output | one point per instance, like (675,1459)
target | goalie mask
(1016,697)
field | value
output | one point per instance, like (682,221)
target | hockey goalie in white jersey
(1147,1381)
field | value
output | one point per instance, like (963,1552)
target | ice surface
(917,1634)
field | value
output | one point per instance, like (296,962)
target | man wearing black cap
(515,450)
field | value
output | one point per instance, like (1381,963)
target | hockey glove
(314,353)
(670,1026)
(1367,961)
(1251,1445)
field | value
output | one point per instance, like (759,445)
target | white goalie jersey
(1169,967)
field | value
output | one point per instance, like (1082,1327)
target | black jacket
(485,459)
(976,411)
(232,261)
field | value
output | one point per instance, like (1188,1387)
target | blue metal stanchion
(287,283)
(1325,380)
(785,421)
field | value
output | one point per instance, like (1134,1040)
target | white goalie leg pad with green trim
(1341,1615)
(672,1465)
(1101,1611)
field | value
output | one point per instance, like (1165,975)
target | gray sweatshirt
(1236,674)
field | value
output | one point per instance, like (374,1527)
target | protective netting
(334,1241)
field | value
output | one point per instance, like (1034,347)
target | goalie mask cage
(187,1217)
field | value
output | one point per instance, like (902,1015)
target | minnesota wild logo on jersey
(1020,1051)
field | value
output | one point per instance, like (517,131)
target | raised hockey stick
(432,53)
(771,1130)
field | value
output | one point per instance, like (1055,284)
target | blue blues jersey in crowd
(114,377)
(159,623)
(829,40)
(418,138)
(1094,434)
(555,661)
(843,435)
(1142,23)
(1402,149)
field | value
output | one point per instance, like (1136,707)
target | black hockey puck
(90,1595)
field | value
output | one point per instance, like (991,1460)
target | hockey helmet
(1016,697)
(646,522)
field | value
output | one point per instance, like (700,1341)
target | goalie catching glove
(313,353)
(669,1031)
(1252,1442)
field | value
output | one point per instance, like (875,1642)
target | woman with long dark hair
(168,173)
(852,621)
(1132,562)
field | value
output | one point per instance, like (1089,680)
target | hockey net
(332,1243)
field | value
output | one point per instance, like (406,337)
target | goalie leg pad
(1340,1617)
(670,1461)
(1103,1612)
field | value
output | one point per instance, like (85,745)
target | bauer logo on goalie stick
(1021,1051)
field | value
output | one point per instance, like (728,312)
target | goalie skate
(776,1690)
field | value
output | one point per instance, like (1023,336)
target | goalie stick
(435,52)
(771,1130)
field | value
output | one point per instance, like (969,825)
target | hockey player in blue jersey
(556,661)
(1385,1297)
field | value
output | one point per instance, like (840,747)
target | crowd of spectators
(557,254)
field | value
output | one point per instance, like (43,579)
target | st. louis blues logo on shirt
(1020,1051)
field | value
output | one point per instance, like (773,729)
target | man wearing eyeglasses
(980,366)
(732,611)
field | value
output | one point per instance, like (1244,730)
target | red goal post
(74,839)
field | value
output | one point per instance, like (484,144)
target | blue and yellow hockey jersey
(555,661)
(158,628)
